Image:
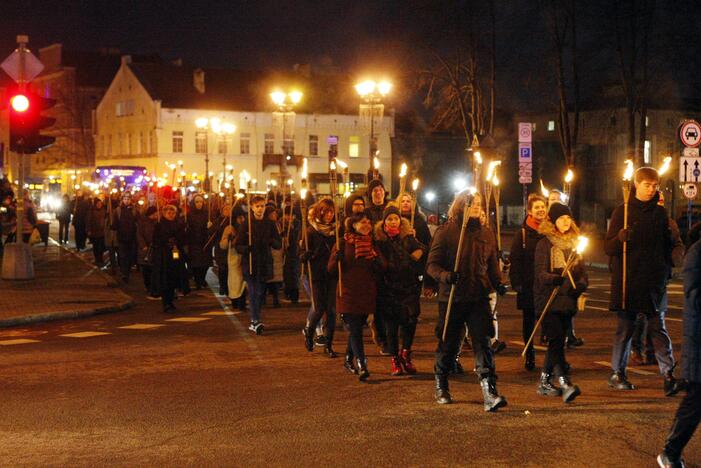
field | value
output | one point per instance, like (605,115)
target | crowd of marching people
(372,260)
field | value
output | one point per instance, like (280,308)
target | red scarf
(363,245)
(532,223)
(391,232)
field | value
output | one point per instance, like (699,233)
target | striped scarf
(363,245)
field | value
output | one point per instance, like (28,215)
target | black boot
(329,350)
(546,388)
(308,338)
(492,400)
(442,393)
(671,384)
(569,390)
(619,381)
(530,360)
(348,364)
(363,372)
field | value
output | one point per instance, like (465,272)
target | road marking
(221,313)
(188,319)
(631,369)
(521,344)
(86,334)
(17,341)
(142,326)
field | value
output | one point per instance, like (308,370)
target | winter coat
(81,206)
(144,238)
(320,245)
(375,212)
(522,257)
(479,267)
(691,343)
(291,268)
(400,281)
(124,223)
(95,222)
(278,259)
(360,280)
(649,253)
(265,237)
(63,214)
(221,250)
(197,237)
(167,236)
(545,274)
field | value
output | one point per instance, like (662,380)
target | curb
(51,316)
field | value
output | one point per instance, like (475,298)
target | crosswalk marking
(188,319)
(630,369)
(142,326)
(221,313)
(17,341)
(86,334)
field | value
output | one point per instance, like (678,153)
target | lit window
(646,154)
(177,142)
(313,145)
(354,147)
(245,143)
(201,142)
(551,125)
(269,147)
(221,147)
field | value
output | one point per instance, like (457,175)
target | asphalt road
(141,388)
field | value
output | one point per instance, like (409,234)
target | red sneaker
(396,366)
(408,366)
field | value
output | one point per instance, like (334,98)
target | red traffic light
(19,103)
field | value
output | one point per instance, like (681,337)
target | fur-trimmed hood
(568,240)
(381,235)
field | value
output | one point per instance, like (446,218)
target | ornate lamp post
(372,94)
(285,103)
(219,128)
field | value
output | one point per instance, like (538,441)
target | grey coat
(691,345)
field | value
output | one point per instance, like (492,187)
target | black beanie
(375,183)
(389,210)
(558,209)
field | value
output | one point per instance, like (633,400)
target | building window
(142,143)
(102,145)
(313,145)
(245,144)
(289,146)
(551,125)
(151,142)
(109,145)
(221,147)
(269,147)
(647,121)
(124,108)
(646,153)
(354,147)
(177,142)
(120,146)
(201,142)
(128,143)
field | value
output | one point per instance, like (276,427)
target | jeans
(256,293)
(400,323)
(80,235)
(127,257)
(685,422)
(64,228)
(324,302)
(555,325)
(477,317)
(223,275)
(660,340)
(98,249)
(355,324)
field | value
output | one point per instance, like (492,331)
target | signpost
(525,157)
(690,191)
(690,133)
(690,162)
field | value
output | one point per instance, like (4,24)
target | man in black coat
(689,412)
(124,223)
(649,253)
(81,206)
(376,206)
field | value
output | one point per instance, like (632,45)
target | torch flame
(341,164)
(569,176)
(303,193)
(582,243)
(495,181)
(402,172)
(628,174)
(665,165)
(491,169)
(375,163)
(415,185)
(478,157)
(543,190)
(332,166)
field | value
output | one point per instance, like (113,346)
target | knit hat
(390,209)
(558,209)
(375,183)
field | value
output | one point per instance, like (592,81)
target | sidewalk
(64,287)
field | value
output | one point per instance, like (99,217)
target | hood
(381,235)
(548,229)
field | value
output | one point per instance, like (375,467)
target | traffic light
(26,121)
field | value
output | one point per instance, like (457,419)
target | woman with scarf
(321,238)
(361,264)
(235,284)
(551,254)
(199,256)
(521,271)
(400,291)
(168,263)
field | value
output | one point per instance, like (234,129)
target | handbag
(34,237)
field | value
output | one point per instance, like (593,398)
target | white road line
(17,341)
(630,369)
(142,326)
(86,334)
(188,319)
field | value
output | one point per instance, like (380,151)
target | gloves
(453,277)
(306,256)
(558,281)
(624,235)
(501,289)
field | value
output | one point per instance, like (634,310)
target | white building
(147,118)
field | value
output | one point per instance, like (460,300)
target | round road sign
(690,133)
(690,191)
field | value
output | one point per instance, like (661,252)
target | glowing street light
(285,103)
(372,93)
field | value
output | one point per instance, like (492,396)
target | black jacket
(265,236)
(544,275)
(167,237)
(691,344)
(124,222)
(400,281)
(320,246)
(522,257)
(197,237)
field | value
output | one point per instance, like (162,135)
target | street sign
(690,170)
(690,191)
(525,152)
(690,133)
(525,133)
(690,152)
(525,173)
(32,65)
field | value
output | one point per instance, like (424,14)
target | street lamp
(219,128)
(285,103)
(372,93)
